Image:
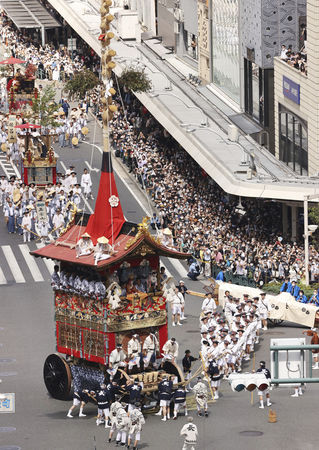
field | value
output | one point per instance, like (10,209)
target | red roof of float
(108,221)
(126,246)
(108,217)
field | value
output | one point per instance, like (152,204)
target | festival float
(39,162)
(89,326)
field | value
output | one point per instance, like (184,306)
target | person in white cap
(80,399)
(183,290)
(84,246)
(150,347)
(26,226)
(201,396)
(165,389)
(262,369)
(263,307)
(209,303)
(102,250)
(57,221)
(190,433)
(167,238)
(86,184)
(117,357)
(177,301)
(136,422)
(170,350)
(133,345)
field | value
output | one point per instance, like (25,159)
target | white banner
(41,211)
(281,307)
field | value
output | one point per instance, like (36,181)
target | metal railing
(287,348)
(230,277)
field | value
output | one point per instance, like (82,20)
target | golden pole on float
(107,65)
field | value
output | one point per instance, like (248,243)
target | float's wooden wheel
(57,377)
(173,369)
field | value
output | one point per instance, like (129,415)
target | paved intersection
(27,336)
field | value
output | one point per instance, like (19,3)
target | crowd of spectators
(200,215)
(58,64)
(298,60)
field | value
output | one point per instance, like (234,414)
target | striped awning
(28,14)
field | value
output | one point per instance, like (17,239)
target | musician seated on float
(139,285)
(117,359)
(103,250)
(84,246)
(55,278)
(152,281)
(134,363)
(130,287)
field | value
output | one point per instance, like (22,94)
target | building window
(192,45)
(293,141)
(225,47)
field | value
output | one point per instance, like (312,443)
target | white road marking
(63,165)
(2,277)
(48,262)
(5,170)
(8,167)
(16,170)
(13,264)
(92,169)
(32,265)
(87,204)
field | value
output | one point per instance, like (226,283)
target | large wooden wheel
(173,369)
(57,377)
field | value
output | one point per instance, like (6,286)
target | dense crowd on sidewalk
(200,216)
(51,63)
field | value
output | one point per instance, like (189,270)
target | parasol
(12,61)
(28,126)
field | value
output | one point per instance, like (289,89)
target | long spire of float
(108,217)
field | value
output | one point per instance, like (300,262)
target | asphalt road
(27,336)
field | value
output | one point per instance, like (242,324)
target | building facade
(297,105)
(266,25)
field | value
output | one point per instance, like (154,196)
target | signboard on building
(7,403)
(291,90)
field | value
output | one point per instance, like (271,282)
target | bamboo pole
(206,376)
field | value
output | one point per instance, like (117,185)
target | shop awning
(28,14)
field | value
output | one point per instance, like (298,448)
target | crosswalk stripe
(87,204)
(48,262)
(13,264)
(2,277)
(33,267)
